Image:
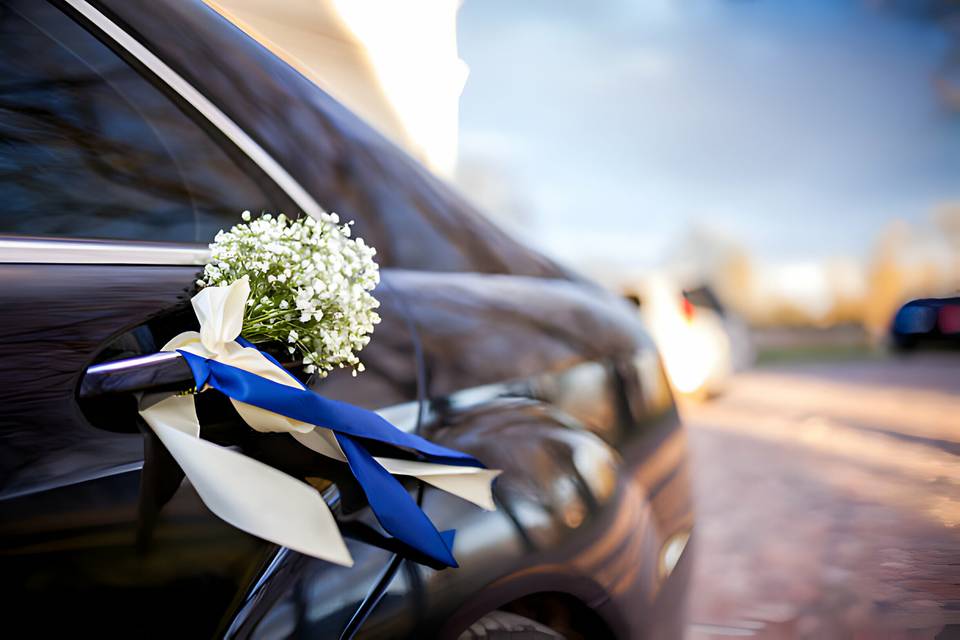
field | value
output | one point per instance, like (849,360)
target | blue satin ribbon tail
(393,506)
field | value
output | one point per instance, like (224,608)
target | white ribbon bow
(247,493)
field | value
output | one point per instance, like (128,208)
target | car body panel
(73,515)
(554,383)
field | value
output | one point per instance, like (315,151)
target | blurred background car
(927,323)
(701,342)
(742,350)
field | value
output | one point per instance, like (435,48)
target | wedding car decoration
(305,284)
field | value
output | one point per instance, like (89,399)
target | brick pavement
(829,503)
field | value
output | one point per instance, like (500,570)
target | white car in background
(701,342)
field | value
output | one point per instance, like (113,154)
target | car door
(109,188)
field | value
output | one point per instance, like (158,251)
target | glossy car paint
(485,346)
(927,323)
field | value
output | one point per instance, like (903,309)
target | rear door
(110,186)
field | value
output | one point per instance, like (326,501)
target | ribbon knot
(220,313)
(268,503)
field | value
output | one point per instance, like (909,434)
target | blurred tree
(947,220)
(885,280)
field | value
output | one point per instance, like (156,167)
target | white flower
(314,269)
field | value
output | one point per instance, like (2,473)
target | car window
(703,297)
(91,148)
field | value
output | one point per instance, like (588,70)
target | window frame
(54,250)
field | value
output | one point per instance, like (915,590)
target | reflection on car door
(96,529)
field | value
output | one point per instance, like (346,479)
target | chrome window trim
(74,251)
(55,250)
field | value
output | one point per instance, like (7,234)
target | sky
(798,128)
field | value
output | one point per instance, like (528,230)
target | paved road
(829,502)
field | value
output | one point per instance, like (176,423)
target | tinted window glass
(90,148)
(703,297)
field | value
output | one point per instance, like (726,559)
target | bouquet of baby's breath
(310,286)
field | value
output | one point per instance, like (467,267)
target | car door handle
(164,371)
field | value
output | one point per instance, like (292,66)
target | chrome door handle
(164,371)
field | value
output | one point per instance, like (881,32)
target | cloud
(802,125)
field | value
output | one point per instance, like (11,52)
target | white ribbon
(253,496)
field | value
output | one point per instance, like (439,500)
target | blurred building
(395,64)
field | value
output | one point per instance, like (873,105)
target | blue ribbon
(393,506)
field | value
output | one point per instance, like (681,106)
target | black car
(130,132)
